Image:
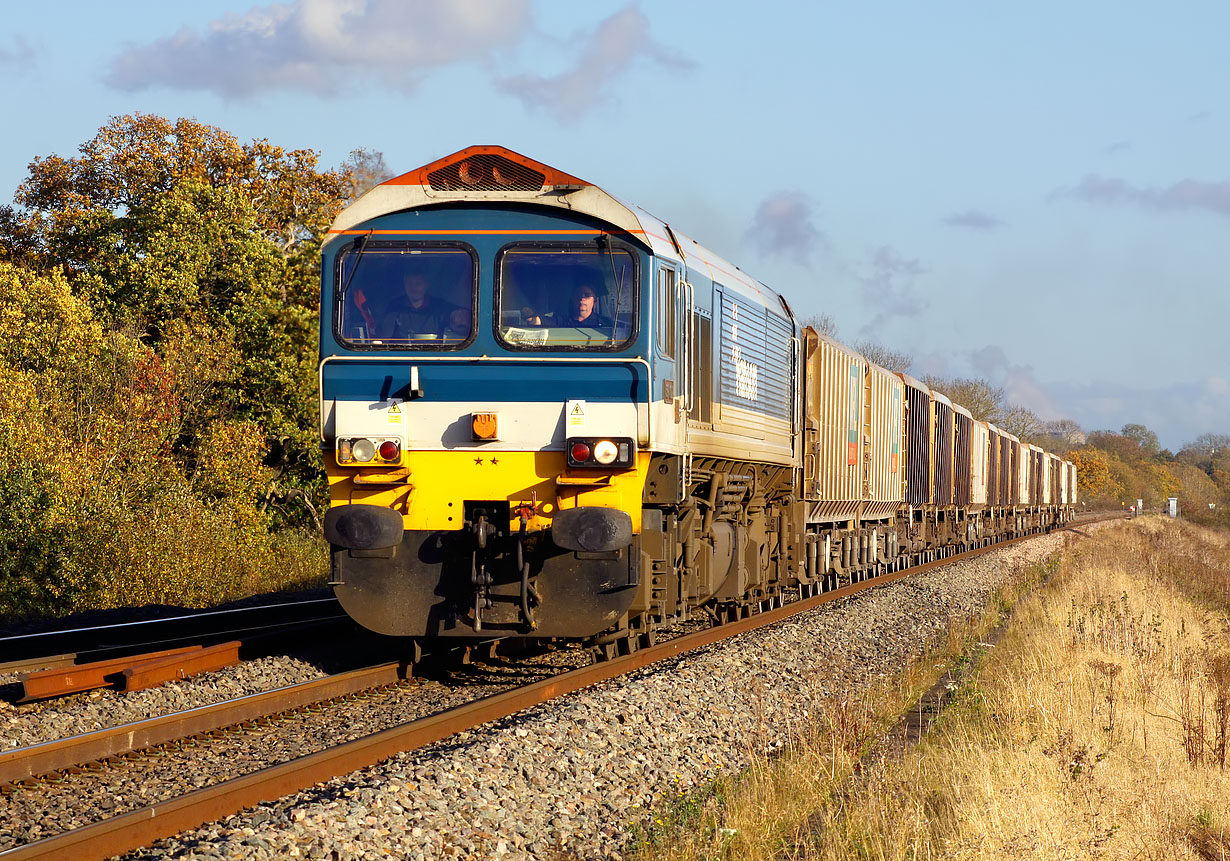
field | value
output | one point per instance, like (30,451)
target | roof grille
(486,172)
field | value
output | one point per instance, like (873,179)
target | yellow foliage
(25,431)
(230,462)
(43,326)
(1093,478)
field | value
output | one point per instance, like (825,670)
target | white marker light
(605,451)
(364,450)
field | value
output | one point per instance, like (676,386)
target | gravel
(567,778)
(37,722)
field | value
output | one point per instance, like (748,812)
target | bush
(123,483)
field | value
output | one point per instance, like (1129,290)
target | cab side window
(666,312)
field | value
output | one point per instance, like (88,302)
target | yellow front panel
(439,482)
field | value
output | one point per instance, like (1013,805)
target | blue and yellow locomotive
(546,413)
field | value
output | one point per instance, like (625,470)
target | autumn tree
(984,401)
(1123,447)
(181,233)
(366,171)
(1093,478)
(1196,490)
(1143,437)
(877,354)
(822,323)
(1209,451)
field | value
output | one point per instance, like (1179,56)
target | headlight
(605,452)
(364,450)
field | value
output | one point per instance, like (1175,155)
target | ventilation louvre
(486,172)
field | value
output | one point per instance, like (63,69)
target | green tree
(103,502)
(1145,438)
(177,231)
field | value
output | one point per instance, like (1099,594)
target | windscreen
(397,296)
(567,297)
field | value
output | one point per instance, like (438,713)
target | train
(547,414)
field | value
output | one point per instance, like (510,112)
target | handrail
(689,354)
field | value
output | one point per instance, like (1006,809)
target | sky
(1035,194)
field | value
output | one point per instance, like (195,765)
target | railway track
(69,647)
(141,826)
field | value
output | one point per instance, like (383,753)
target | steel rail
(138,828)
(25,763)
(63,647)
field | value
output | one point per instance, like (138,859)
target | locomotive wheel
(605,651)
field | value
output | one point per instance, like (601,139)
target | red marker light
(580,452)
(389,450)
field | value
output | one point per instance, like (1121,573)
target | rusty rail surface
(25,763)
(138,828)
(134,673)
(75,678)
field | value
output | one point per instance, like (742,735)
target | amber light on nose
(486,426)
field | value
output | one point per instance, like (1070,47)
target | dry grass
(768,809)
(1096,729)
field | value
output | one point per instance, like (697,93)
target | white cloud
(1021,387)
(975,219)
(323,45)
(611,49)
(887,288)
(1177,413)
(784,224)
(1186,194)
(17,55)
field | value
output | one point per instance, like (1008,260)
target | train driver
(415,315)
(582,310)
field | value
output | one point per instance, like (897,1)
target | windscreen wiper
(359,245)
(604,245)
